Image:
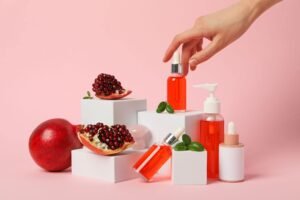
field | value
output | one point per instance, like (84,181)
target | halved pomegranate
(105,140)
(107,87)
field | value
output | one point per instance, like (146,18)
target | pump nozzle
(211,103)
(211,87)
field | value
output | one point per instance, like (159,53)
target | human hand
(221,28)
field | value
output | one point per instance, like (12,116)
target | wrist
(257,7)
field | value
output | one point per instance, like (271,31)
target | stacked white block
(110,112)
(112,169)
(160,124)
(189,167)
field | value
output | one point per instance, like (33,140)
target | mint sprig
(164,106)
(188,144)
(88,95)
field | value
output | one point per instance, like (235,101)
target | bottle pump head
(211,103)
(176,66)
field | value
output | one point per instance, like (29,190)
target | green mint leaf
(180,147)
(186,139)
(161,107)
(169,109)
(195,146)
(88,93)
(86,97)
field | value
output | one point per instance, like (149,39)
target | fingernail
(193,62)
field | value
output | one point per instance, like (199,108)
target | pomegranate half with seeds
(105,140)
(106,86)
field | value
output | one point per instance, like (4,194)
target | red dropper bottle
(156,156)
(176,85)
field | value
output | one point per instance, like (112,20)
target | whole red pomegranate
(50,144)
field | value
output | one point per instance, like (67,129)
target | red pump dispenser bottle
(211,130)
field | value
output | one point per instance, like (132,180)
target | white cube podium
(189,167)
(110,112)
(160,124)
(114,168)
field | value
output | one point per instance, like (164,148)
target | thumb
(205,54)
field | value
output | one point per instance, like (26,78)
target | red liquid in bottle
(153,160)
(176,94)
(211,135)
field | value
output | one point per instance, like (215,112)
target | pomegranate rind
(77,129)
(87,143)
(115,96)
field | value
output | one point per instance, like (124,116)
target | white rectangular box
(189,167)
(110,112)
(112,169)
(160,124)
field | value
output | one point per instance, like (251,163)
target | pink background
(51,51)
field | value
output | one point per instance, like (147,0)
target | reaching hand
(221,28)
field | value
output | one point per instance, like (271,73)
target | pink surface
(50,52)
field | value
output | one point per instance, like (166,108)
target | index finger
(177,41)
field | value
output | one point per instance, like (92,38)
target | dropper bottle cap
(231,137)
(171,138)
(176,65)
